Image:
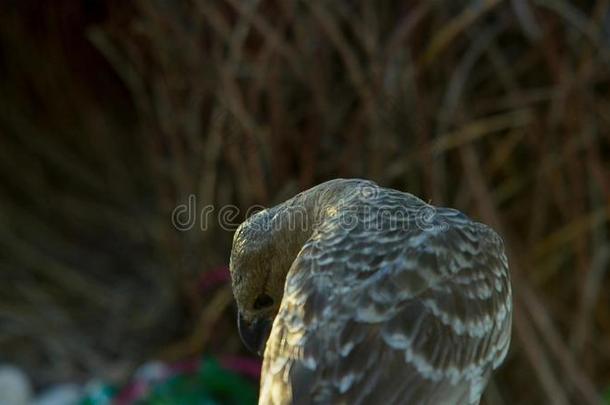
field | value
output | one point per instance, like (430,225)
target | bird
(358,294)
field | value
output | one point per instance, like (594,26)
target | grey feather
(389,300)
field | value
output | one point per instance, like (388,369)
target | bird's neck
(296,220)
(300,216)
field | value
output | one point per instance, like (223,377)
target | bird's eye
(262,301)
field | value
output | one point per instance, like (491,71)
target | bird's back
(392,301)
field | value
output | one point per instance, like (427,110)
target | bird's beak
(254,334)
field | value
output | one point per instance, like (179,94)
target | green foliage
(211,385)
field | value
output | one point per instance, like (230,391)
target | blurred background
(113,114)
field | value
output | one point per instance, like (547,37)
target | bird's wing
(395,316)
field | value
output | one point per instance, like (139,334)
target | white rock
(14,386)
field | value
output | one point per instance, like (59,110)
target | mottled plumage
(376,296)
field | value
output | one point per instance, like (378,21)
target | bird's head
(264,247)
(259,265)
